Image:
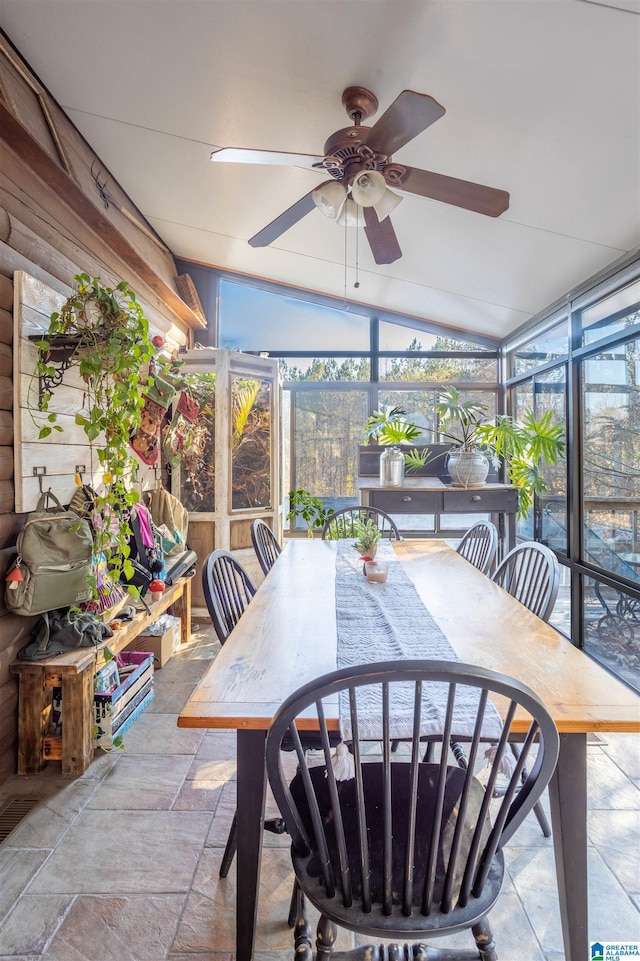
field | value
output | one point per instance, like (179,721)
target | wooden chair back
(479,545)
(531,573)
(265,544)
(407,846)
(227,590)
(342,523)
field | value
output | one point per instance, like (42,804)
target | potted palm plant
(460,422)
(389,427)
(525,445)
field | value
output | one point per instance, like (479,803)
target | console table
(430,495)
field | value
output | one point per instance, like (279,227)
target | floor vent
(13,814)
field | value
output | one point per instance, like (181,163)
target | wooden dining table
(288,636)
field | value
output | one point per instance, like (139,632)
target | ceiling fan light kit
(388,204)
(329,198)
(359,159)
(368,188)
(351,215)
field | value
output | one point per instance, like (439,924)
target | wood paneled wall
(14,630)
(53,224)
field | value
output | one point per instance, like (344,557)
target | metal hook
(40,472)
(102,187)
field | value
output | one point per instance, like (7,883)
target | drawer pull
(476,497)
(406,499)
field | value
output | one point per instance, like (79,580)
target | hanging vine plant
(106,336)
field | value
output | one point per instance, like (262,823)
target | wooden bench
(74,674)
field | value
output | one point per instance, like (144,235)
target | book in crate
(115,711)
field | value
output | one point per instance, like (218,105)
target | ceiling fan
(359,160)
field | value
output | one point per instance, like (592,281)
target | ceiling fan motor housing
(346,146)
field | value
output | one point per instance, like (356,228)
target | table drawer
(407,502)
(464,501)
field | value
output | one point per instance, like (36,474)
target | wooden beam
(19,140)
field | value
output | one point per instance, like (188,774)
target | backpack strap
(43,500)
(141,551)
(46,633)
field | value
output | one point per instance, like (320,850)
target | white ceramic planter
(467,468)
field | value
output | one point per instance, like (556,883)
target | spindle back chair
(227,591)
(531,573)
(406,848)
(479,545)
(342,523)
(265,544)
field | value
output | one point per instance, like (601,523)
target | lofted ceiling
(542,100)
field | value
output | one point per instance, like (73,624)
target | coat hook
(40,472)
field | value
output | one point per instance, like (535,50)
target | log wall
(55,221)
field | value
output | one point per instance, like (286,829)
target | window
(410,364)
(337,367)
(327,431)
(254,320)
(612,315)
(322,370)
(611,459)
(611,619)
(548,347)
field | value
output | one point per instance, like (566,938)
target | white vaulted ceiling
(542,99)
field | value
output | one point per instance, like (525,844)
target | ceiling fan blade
(282,223)
(382,237)
(450,190)
(242,155)
(409,114)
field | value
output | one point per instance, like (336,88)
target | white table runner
(389,622)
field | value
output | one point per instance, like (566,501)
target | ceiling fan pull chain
(357,283)
(345,263)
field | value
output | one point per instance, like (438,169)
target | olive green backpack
(55,551)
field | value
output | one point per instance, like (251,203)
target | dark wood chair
(265,544)
(405,849)
(479,545)
(531,573)
(342,523)
(228,591)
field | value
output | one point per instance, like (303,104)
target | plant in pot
(525,446)
(106,337)
(367,535)
(389,427)
(469,459)
(309,508)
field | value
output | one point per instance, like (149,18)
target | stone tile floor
(122,863)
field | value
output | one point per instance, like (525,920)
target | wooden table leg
(33,719)
(568,797)
(252,786)
(77,722)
